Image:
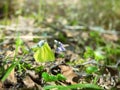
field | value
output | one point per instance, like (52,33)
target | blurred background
(103,13)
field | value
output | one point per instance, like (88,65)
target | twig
(21,28)
(99,29)
(28,37)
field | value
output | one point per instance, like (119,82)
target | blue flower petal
(60,46)
(41,43)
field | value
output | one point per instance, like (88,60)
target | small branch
(21,28)
(28,37)
(99,29)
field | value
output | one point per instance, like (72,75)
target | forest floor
(90,59)
(62,51)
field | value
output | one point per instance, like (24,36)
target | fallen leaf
(32,74)
(28,82)
(110,37)
(10,54)
(68,72)
(70,33)
(1,86)
(71,56)
(85,35)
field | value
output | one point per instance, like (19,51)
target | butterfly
(44,53)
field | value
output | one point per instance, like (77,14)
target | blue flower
(60,46)
(41,43)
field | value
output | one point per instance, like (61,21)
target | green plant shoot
(91,69)
(49,78)
(44,53)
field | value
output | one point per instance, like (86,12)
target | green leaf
(75,86)
(52,78)
(60,77)
(45,76)
(49,78)
(44,54)
(98,55)
(91,69)
(19,42)
(89,53)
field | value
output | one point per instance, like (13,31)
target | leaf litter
(71,63)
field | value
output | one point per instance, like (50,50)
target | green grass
(75,86)
(15,61)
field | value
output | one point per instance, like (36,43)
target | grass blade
(75,86)
(12,66)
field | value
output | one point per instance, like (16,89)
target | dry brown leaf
(32,74)
(25,22)
(70,33)
(68,72)
(10,54)
(85,35)
(106,81)
(110,37)
(28,82)
(50,19)
(72,56)
(1,86)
